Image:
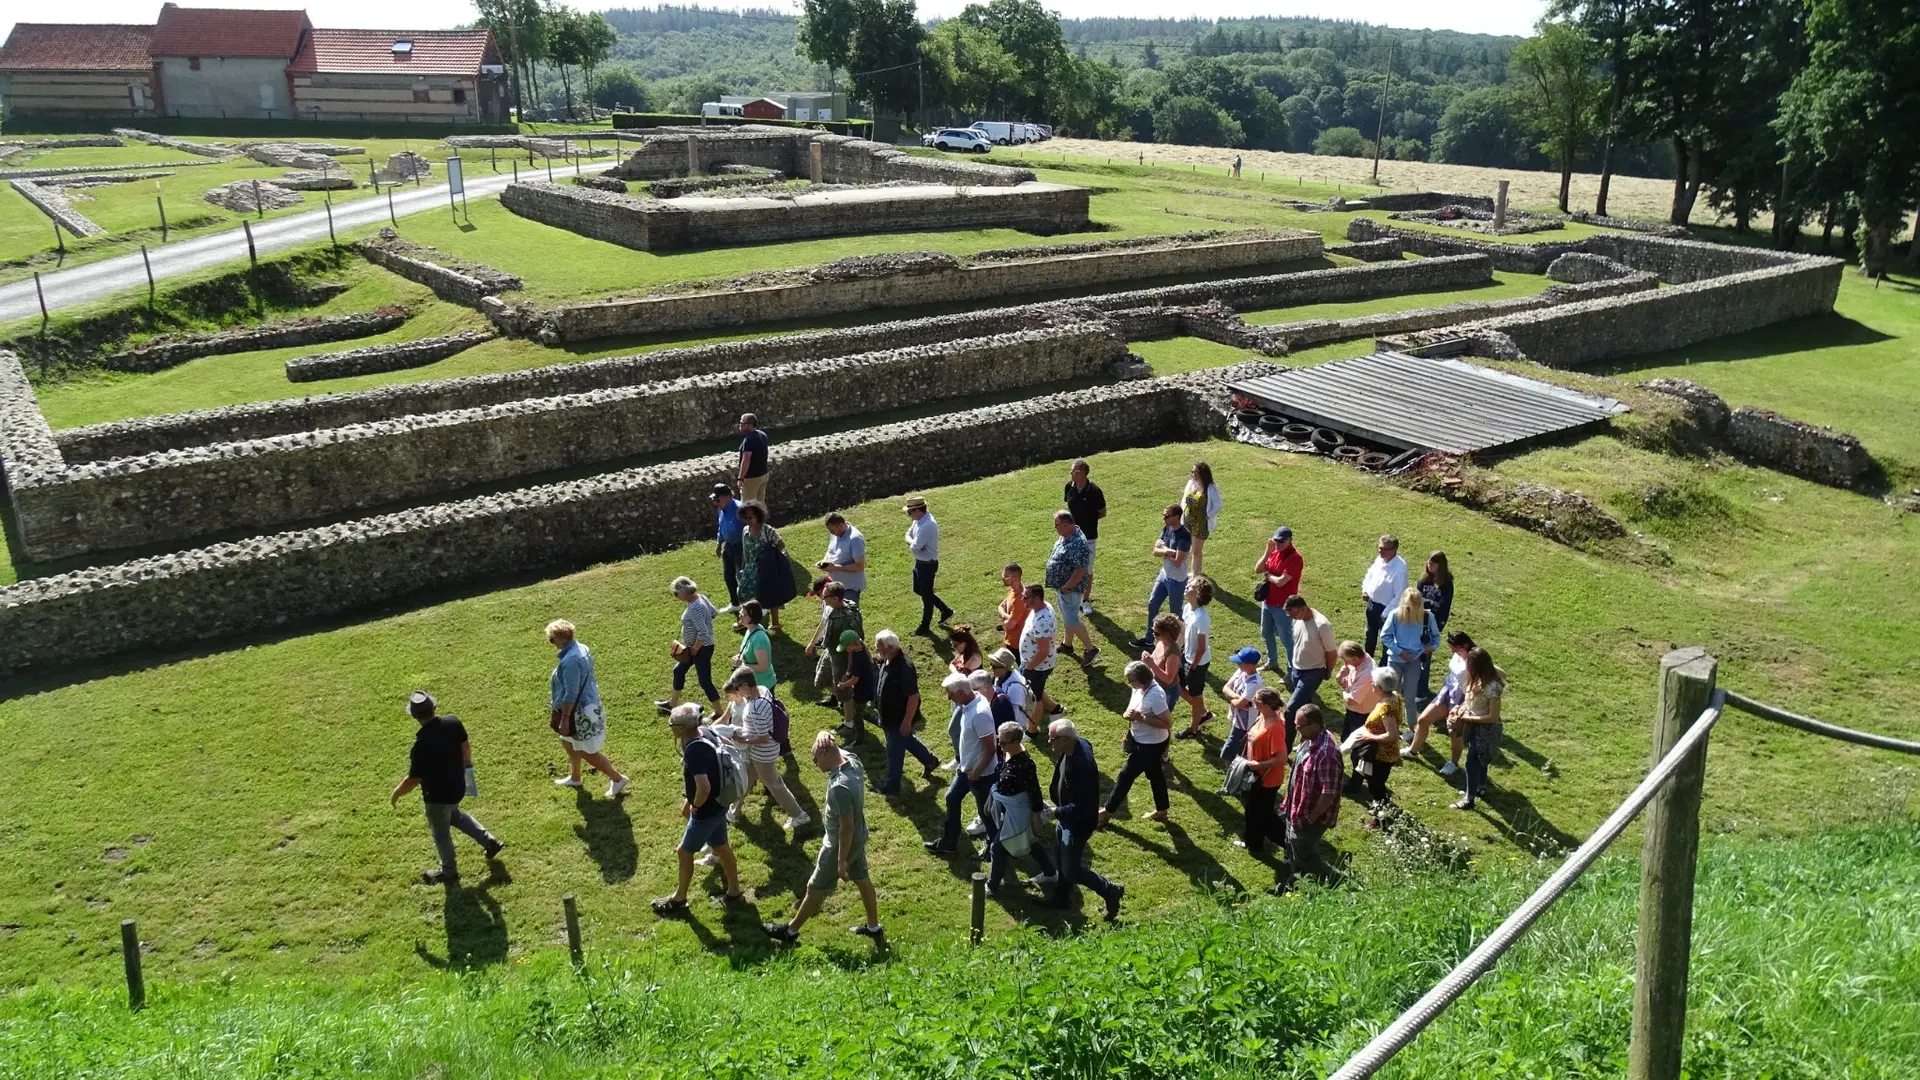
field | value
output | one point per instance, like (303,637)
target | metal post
(253,260)
(41,293)
(979,907)
(334,240)
(130,952)
(573,929)
(149,264)
(1668,861)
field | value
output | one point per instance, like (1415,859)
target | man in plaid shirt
(1313,797)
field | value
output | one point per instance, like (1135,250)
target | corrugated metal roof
(1424,403)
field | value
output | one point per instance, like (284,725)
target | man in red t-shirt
(1279,569)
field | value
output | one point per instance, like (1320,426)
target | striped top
(758,720)
(696,623)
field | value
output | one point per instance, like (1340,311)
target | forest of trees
(1802,109)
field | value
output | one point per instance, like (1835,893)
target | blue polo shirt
(730,526)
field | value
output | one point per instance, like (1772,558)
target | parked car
(995,131)
(960,141)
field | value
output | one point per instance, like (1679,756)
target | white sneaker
(1045,880)
(1449,769)
(976,827)
(951,766)
(568,781)
(800,822)
(733,815)
(728,610)
(1086,608)
(707,860)
(614,789)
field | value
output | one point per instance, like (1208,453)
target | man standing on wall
(923,540)
(726,541)
(754,466)
(1088,504)
(846,558)
(1386,580)
(441,765)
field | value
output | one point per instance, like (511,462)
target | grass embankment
(234,802)
(1804,966)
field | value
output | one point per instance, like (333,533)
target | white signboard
(456,183)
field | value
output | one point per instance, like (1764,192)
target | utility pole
(1380,131)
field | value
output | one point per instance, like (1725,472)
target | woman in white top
(752,709)
(1200,511)
(1149,732)
(1196,629)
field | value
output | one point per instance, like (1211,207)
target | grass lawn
(254,840)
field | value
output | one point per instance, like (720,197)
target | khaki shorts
(754,488)
(826,868)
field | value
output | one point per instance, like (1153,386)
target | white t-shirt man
(1196,622)
(1039,624)
(976,723)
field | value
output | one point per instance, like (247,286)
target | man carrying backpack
(713,779)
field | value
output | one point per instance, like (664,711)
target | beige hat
(915,502)
(1003,657)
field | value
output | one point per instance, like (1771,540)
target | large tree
(884,54)
(826,33)
(1856,107)
(520,29)
(1030,34)
(1558,89)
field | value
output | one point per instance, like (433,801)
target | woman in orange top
(1013,609)
(1266,755)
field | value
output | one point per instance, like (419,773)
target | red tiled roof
(434,52)
(76,47)
(228,32)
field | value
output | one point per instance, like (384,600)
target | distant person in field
(1313,797)
(1149,731)
(1067,568)
(441,766)
(701,808)
(1380,589)
(1236,166)
(1314,657)
(1076,799)
(755,463)
(1174,549)
(1200,512)
(726,540)
(897,695)
(1279,570)
(1088,504)
(923,541)
(575,712)
(1436,592)
(843,850)
(1479,712)
(846,557)
(693,649)
(1377,744)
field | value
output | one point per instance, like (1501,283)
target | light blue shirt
(572,682)
(849,547)
(1414,638)
(923,539)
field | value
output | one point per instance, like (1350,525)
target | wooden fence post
(979,907)
(130,952)
(1668,861)
(253,258)
(573,929)
(149,265)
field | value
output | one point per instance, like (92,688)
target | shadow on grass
(1797,335)
(476,928)
(608,833)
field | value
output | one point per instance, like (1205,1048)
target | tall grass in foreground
(1806,964)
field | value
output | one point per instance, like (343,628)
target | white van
(715,108)
(995,131)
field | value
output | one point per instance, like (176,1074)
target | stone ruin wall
(669,153)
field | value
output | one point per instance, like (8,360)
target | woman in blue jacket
(1409,638)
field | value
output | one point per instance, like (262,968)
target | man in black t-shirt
(896,690)
(705,814)
(754,460)
(1088,504)
(441,766)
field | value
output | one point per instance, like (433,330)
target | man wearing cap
(727,540)
(843,850)
(923,540)
(1075,792)
(846,558)
(1239,690)
(837,617)
(441,766)
(755,463)
(855,686)
(702,810)
(1279,568)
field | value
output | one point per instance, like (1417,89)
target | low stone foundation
(1578,267)
(1822,455)
(50,201)
(171,351)
(451,278)
(1385,249)
(372,359)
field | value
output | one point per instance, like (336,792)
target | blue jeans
(1277,629)
(1376,618)
(1410,684)
(957,799)
(1073,867)
(898,747)
(1165,591)
(1236,741)
(1306,689)
(702,665)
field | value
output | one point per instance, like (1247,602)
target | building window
(421,96)
(459,96)
(193,63)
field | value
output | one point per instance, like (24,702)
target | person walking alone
(1381,587)
(1200,510)
(1279,570)
(575,712)
(1075,790)
(843,850)
(693,649)
(923,540)
(756,466)
(441,766)
(1088,504)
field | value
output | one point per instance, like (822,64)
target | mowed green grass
(235,802)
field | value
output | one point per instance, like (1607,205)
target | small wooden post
(130,952)
(259,208)
(334,240)
(58,241)
(1500,208)
(979,907)
(1668,860)
(253,259)
(42,294)
(391,216)
(549,168)
(493,154)
(161,203)
(573,929)
(149,265)
(516,170)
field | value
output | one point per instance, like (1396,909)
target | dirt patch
(1630,196)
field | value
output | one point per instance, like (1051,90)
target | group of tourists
(1280,753)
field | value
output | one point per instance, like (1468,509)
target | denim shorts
(1069,605)
(704,832)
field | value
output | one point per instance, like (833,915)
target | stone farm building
(250,64)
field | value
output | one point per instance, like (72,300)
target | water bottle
(473,788)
